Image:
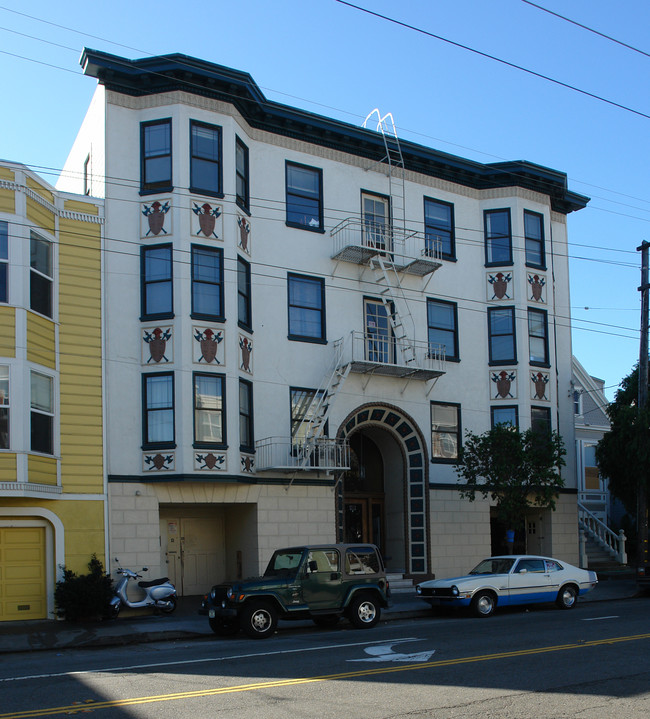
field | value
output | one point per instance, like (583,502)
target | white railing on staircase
(607,539)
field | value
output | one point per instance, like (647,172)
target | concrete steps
(399,585)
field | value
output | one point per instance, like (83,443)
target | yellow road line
(94,706)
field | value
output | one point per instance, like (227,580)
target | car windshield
(499,565)
(284,562)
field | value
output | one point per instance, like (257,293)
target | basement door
(195,552)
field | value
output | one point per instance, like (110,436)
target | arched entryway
(383,499)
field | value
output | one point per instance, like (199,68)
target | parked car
(320,582)
(510,580)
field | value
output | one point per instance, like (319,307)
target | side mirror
(312,566)
(523,571)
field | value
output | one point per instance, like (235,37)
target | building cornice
(168,73)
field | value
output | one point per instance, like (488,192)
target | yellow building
(52,487)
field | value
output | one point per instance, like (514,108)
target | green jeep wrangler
(319,582)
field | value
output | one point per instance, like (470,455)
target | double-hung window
(505,414)
(207,282)
(242,190)
(439,229)
(157,300)
(303,407)
(205,159)
(498,237)
(246,436)
(244,294)
(42,413)
(442,323)
(158,410)
(209,410)
(445,432)
(4,261)
(534,237)
(537,337)
(304,190)
(4,407)
(306,308)
(501,332)
(41,275)
(540,420)
(156,156)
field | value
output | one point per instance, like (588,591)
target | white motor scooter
(158,593)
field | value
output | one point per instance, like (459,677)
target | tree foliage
(518,470)
(623,454)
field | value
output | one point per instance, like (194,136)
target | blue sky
(329,58)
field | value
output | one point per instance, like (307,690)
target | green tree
(518,470)
(623,454)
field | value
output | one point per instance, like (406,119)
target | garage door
(22,573)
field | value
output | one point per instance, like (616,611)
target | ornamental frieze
(503,384)
(158,461)
(499,286)
(539,383)
(156,218)
(244,234)
(209,462)
(207,220)
(157,345)
(209,345)
(536,288)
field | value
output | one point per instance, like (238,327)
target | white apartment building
(302,317)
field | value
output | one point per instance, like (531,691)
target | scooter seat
(153,582)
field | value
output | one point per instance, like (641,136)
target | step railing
(607,539)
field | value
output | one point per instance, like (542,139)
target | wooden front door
(364,520)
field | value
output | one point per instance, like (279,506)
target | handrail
(597,530)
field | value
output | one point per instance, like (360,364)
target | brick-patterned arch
(410,439)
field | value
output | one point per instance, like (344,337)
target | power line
(189,83)
(495,58)
(586,27)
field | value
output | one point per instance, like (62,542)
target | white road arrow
(385,653)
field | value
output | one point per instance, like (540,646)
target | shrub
(84,596)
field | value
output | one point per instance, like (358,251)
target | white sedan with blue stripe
(508,581)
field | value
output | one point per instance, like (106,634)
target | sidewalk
(135,627)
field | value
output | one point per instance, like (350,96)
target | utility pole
(643,568)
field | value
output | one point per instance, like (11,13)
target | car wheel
(483,604)
(567,597)
(224,627)
(169,607)
(326,620)
(364,612)
(259,620)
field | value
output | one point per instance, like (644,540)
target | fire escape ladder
(395,161)
(393,297)
(318,411)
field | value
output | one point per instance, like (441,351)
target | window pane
(41,392)
(245,415)
(208,409)
(537,336)
(4,290)
(4,241)
(156,155)
(205,175)
(444,431)
(158,170)
(206,282)
(305,307)
(41,433)
(540,419)
(157,279)
(438,227)
(205,142)
(157,139)
(303,180)
(303,196)
(504,415)
(159,408)
(243,292)
(41,255)
(497,236)
(534,233)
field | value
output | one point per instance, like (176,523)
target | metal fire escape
(388,250)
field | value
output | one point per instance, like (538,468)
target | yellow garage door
(22,573)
